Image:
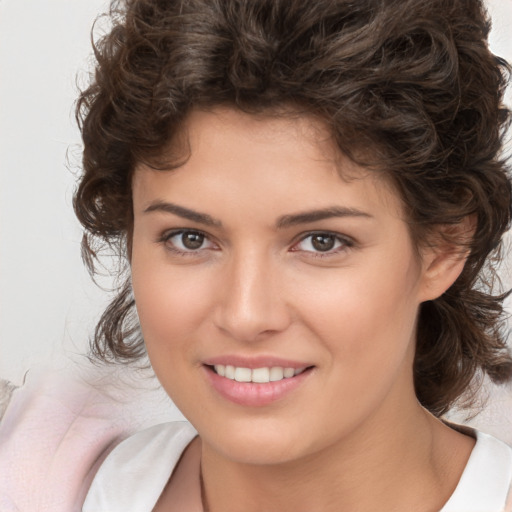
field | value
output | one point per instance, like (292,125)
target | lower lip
(254,394)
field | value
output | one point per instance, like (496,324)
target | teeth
(259,375)
(230,372)
(276,373)
(243,374)
(288,372)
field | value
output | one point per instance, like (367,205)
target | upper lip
(254,362)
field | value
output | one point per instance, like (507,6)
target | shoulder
(485,485)
(135,473)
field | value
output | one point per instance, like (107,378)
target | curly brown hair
(411,83)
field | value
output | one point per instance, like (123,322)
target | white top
(134,475)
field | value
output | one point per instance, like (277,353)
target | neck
(375,468)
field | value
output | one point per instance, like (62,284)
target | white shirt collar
(486,480)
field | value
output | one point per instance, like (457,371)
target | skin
(352,435)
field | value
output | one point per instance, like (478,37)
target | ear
(443,259)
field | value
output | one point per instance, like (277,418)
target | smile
(257,386)
(257,375)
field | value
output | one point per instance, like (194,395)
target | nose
(251,305)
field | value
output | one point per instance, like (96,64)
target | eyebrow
(314,215)
(283,222)
(185,213)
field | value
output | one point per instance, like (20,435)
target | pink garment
(55,433)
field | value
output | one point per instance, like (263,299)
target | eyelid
(346,241)
(165,237)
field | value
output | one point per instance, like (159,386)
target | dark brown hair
(410,82)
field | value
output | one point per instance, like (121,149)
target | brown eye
(323,242)
(191,240)
(183,242)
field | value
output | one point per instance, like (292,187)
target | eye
(322,242)
(187,241)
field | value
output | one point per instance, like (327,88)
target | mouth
(256,387)
(261,375)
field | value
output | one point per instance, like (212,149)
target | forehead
(261,158)
(225,130)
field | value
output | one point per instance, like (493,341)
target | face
(277,288)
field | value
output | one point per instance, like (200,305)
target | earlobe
(444,260)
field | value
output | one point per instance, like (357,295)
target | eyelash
(166,237)
(345,243)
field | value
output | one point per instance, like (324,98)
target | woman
(308,195)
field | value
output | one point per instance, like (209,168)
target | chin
(259,451)
(256,442)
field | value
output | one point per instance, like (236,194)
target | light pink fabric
(56,431)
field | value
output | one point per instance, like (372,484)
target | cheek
(170,303)
(365,316)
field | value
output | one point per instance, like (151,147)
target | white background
(48,306)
